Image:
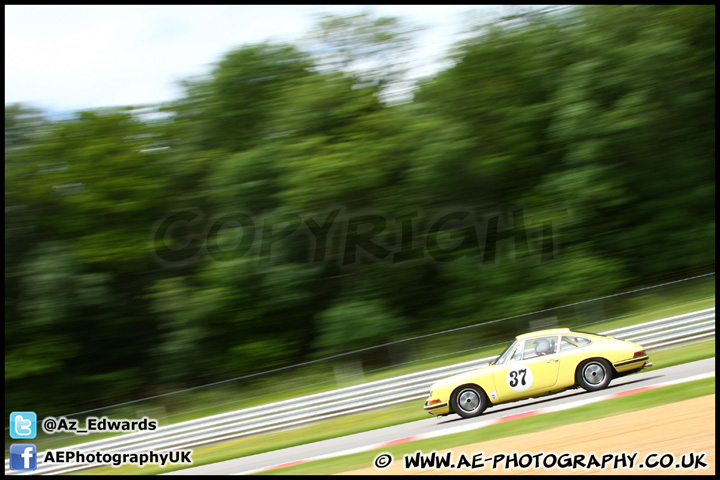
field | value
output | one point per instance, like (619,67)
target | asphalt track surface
(433,425)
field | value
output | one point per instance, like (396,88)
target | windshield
(504,356)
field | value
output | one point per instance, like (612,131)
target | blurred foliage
(317,218)
(373,51)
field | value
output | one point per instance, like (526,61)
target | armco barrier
(286,414)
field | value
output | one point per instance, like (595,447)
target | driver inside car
(542,347)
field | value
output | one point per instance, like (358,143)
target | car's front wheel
(469,401)
(594,374)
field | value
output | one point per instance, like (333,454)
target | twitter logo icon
(23,425)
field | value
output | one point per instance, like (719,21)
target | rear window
(570,342)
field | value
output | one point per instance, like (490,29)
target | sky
(64,58)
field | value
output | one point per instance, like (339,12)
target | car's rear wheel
(469,401)
(594,374)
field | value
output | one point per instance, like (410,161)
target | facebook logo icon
(23,425)
(23,456)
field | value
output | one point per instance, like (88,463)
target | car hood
(460,377)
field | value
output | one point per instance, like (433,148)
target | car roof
(540,333)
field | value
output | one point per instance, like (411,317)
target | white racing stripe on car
(476,425)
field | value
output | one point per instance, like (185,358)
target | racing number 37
(519,378)
(516,375)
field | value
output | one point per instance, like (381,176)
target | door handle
(554,360)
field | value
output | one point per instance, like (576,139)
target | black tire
(469,401)
(594,374)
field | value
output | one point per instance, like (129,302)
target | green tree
(373,50)
(228,109)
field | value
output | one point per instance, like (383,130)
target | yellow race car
(537,364)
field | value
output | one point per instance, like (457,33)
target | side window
(570,342)
(536,347)
(566,344)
